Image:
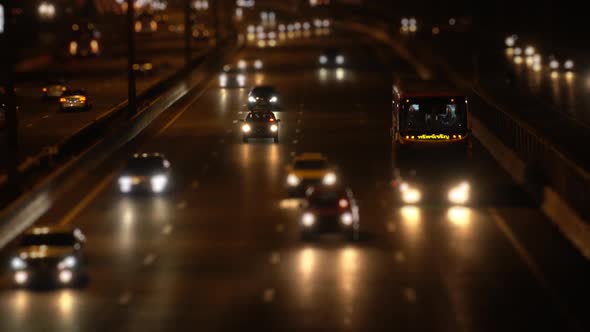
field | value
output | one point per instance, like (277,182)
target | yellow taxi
(308,170)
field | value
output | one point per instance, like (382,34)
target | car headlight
(258,64)
(329,179)
(274,99)
(21,277)
(223,80)
(252,99)
(340,59)
(459,194)
(293,180)
(346,219)
(410,195)
(246,128)
(241,80)
(67,263)
(274,128)
(65,276)
(159,183)
(308,219)
(18,263)
(323,59)
(242,64)
(125,183)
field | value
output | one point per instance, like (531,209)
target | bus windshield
(433,115)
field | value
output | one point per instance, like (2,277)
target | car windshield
(263,91)
(260,117)
(144,166)
(324,199)
(433,115)
(52,239)
(311,164)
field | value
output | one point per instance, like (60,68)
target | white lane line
(347,321)
(298,120)
(29,125)
(149,259)
(391,227)
(297,130)
(215,154)
(125,298)
(167,230)
(229,131)
(293,153)
(181,205)
(410,295)
(240,112)
(268,295)
(45,116)
(275,258)
(195,185)
(295,141)
(222,141)
(235,121)
(299,112)
(399,256)
(280,228)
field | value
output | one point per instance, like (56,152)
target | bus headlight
(308,219)
(293,180)
(274,99)
(459,194)
(246,128)
(329,179)
(409,194)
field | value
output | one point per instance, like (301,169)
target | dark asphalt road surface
(222,251)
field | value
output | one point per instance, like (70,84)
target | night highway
(222,246)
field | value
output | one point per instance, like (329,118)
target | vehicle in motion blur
(50,256)
(145,23)
(260,124)
(431,118)
(143,67)
(75,100)
(85,40)
(146,173)
(331,57)
(308,170)
(232,77)
(330,209)
(250,64)
(53,89)
(263,97)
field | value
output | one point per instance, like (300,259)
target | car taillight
(44,89)
(62,100)
(343,203)
(271,120)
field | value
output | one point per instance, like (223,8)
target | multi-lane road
(223,252)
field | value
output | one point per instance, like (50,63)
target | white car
(232,77)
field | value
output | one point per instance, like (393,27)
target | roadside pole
(11,116)
(216,21)
(131,88)
(187,33)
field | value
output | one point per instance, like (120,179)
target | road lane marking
(149,259)
(297,130)
(195,185)
(410,295)
(295,141)
(347,321)
(181,205)
(29,125)
(45,116)
(229,131)
(87,200)
(235,121)
(215,154)
(275,258)
(268,295)
(280,228)
(222,141)
(167,230)
(533,268)
(125,298)
(181,112)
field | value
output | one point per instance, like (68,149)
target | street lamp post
(11,116)
(131,89)
(187,33)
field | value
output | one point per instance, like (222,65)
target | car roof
(427,88)
(310,156)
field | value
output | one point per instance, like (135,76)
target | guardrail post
(11,115)
(131,89)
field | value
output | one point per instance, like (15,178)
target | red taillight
(271,120)
(343,203)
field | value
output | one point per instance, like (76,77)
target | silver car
(75,100)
